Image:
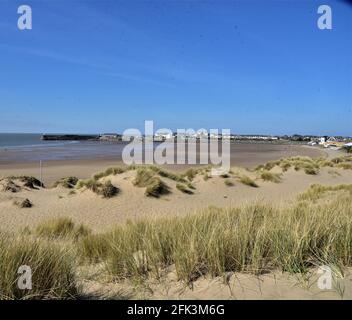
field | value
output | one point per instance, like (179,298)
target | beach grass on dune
(61,228)
(145,178)
(309,165)
(68,182)
(255,239)
(316,191)
(106,189)
(270,176)
(52,268)
(12,184)
(23,203)
(183,188)
(248,181)
(111,171)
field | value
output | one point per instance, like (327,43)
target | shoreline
(242,155)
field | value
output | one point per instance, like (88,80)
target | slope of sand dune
(231,286)
(84,206)
(101,214)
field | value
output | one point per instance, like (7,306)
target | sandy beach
(99,214)
(242,154)
(85,206)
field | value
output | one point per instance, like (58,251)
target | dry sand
(242,154)
(101,214)
(91,209)
(231,286)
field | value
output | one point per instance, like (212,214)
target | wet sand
(245,155)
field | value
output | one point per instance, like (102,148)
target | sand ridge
(86,207)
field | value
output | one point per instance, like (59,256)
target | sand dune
(86,207)
(100,214)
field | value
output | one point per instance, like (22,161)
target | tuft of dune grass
(52,269)
(110,171)
(23,203)
(248,181)
(255,238)
(183,188)
(228,183)
(69,182)
(309,165)
(8,185)
(345,165)
(311,170)
(145,178)
(28,181)
(61,228)
(94,248)
(191,174)
(106,189)
(316,191)
(167,174)
(156,188)
(270,176)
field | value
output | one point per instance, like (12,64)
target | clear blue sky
(103,66)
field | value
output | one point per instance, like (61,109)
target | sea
(28,147)
(18,140)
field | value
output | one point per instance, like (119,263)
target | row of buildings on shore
(331,142)
(325,141)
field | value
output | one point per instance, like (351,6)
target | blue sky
(104,66)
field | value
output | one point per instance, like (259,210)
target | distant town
(333,142)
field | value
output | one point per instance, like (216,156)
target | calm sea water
(10,140)
(17,147)
(23,148)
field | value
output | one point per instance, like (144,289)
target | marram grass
(52,267)
(255,239)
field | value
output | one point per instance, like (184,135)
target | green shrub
(228,183)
